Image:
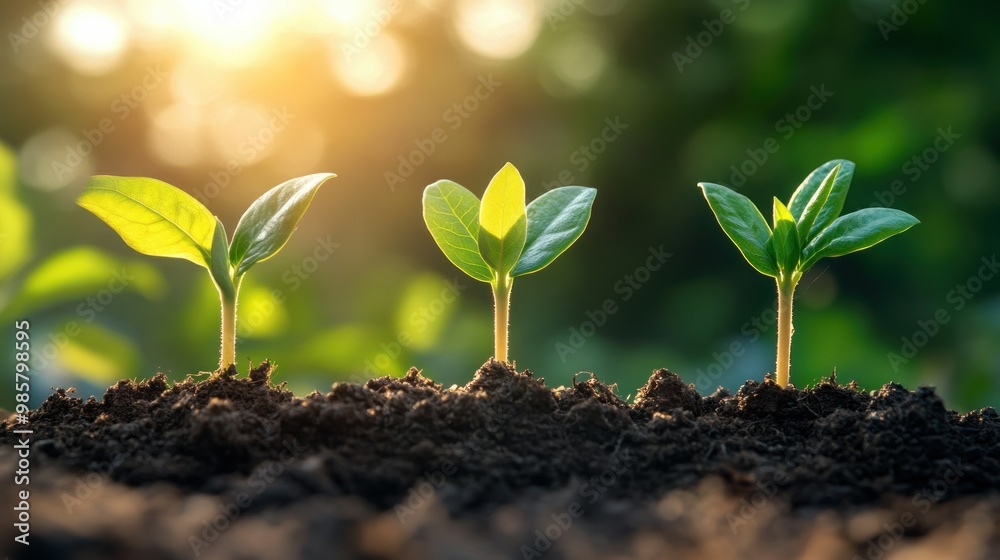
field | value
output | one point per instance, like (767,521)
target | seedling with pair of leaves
(808,229)
(499,239)
(158,219)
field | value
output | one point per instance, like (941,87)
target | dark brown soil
(505,467)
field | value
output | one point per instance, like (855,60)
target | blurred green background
(639,99)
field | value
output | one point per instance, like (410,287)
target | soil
(505,467)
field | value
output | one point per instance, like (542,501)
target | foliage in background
(914,110)
(80,275)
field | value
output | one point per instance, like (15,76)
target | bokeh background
(226,98)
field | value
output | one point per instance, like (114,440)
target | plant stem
(228,295)
(786,292)
(501,307)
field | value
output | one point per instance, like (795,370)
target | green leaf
(98,354)
(834,201)
(15,235)
(744,225)
(786,238)
(8,170)
(152,217)
(451,214)
(266,226)
(74,274)
(816,204)
(555,221)
(856,231)
(221,272)
(15,219)
(502,221)
(420,289)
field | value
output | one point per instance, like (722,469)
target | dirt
(227,466)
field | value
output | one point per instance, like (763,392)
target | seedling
(808,229)
(498,239)
(158,219)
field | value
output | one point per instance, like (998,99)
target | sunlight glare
(351,13)
(577,61)
(374,70)
(55,158)
(502,29)
(176,135)
(89,37)
(231,34)
(244,132)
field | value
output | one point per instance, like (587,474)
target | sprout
(498,239)
(805,231)
(158,219)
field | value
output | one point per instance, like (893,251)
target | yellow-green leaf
(15,219)
(98,354)
(79,272)
(785,238)
(152,217)
(8,170)
(451,213)
(15,235)
(502,221)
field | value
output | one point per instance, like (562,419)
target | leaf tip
(324,177)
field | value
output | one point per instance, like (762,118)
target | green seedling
(808,229)
(499,239)
(158,219)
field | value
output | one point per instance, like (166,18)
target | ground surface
(505,467)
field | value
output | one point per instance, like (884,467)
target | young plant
(808,229)
(498,239)
(157,219)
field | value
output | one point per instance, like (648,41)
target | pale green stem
(228,297)
(786,293)
(501,305)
